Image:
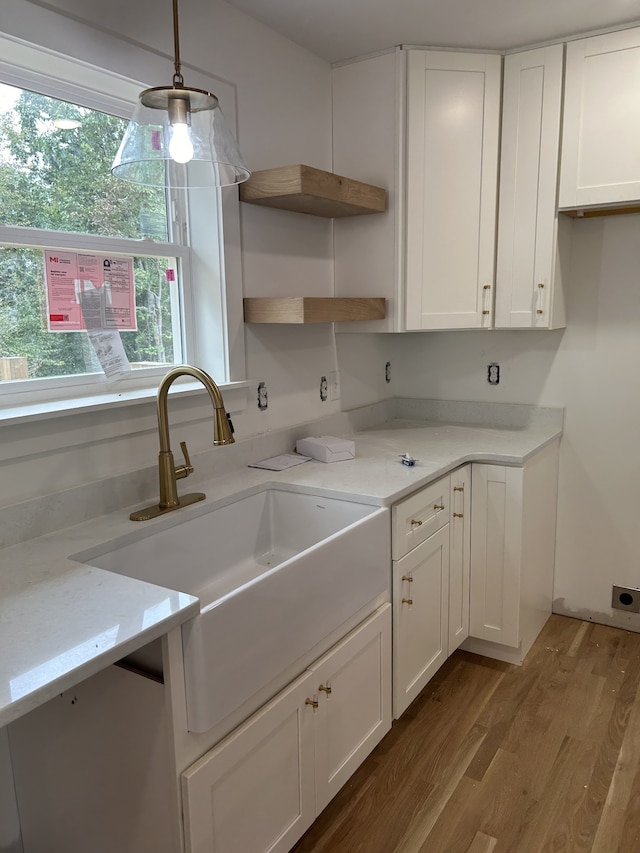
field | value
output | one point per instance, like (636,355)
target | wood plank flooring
(493,758)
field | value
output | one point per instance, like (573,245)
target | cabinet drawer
(417,517)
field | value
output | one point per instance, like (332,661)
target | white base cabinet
(431,549)
(255,792)
(473,567)
(102,768)
(512,554)
(262,787)
(459,556)
(421,600)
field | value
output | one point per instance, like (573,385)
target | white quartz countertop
(61,621)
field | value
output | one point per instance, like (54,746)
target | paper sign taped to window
(110,351)
(86,291)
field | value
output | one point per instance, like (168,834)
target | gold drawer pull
(458,515)
(326,689)
(458,488)
(438,506)
(407,579)
(407,600)
(311,702)
(415,522)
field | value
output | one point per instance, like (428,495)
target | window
(84,256)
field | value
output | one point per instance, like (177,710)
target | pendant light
(177,137)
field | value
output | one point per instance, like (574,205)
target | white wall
(592,368)
(283,98)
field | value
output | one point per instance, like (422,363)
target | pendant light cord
(177,77)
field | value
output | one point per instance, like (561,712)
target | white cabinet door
(601,127)
(496,535)
(421,603)
(513,527)
(459,557)
(254,792)
(453,115)
(353,688)
(528,284)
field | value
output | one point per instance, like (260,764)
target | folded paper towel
(327,448)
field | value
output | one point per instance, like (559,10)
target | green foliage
(59,179)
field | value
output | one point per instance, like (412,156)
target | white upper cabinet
(528,270)
(453,116)
(601,128)
(424,124)
(368,133)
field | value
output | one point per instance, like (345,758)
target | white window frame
(209,254)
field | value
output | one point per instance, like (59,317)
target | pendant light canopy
(178,137)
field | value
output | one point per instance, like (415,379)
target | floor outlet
(626,598)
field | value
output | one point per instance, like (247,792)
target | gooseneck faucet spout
(168,472)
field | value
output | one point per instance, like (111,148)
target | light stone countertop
(61,622)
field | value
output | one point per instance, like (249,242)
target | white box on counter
(327,448)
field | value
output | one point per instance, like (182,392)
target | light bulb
(181,146)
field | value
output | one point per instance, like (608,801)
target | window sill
(234,394)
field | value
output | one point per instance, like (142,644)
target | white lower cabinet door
(353,687)
(459,557)
(421,616)
(254,792)
(496,534)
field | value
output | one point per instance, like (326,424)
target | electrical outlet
(324,389)
(334,385)
(387,372)
(493,373)
(263,399)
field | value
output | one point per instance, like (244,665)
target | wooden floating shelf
(312,309)
(304,189)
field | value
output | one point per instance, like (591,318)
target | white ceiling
(342,29)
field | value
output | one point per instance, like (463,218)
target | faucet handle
(183,471)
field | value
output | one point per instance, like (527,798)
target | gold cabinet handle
(486,298)
(407,600)
(407,578)
(325,689)
(438,507)
(458,515)
(415,522)
(458,488)
(311,702)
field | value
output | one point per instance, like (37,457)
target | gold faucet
(169,474)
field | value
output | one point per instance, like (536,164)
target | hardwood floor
(493,758)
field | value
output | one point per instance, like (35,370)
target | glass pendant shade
(167,124)
(177,137)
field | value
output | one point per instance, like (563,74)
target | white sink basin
(276,573)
